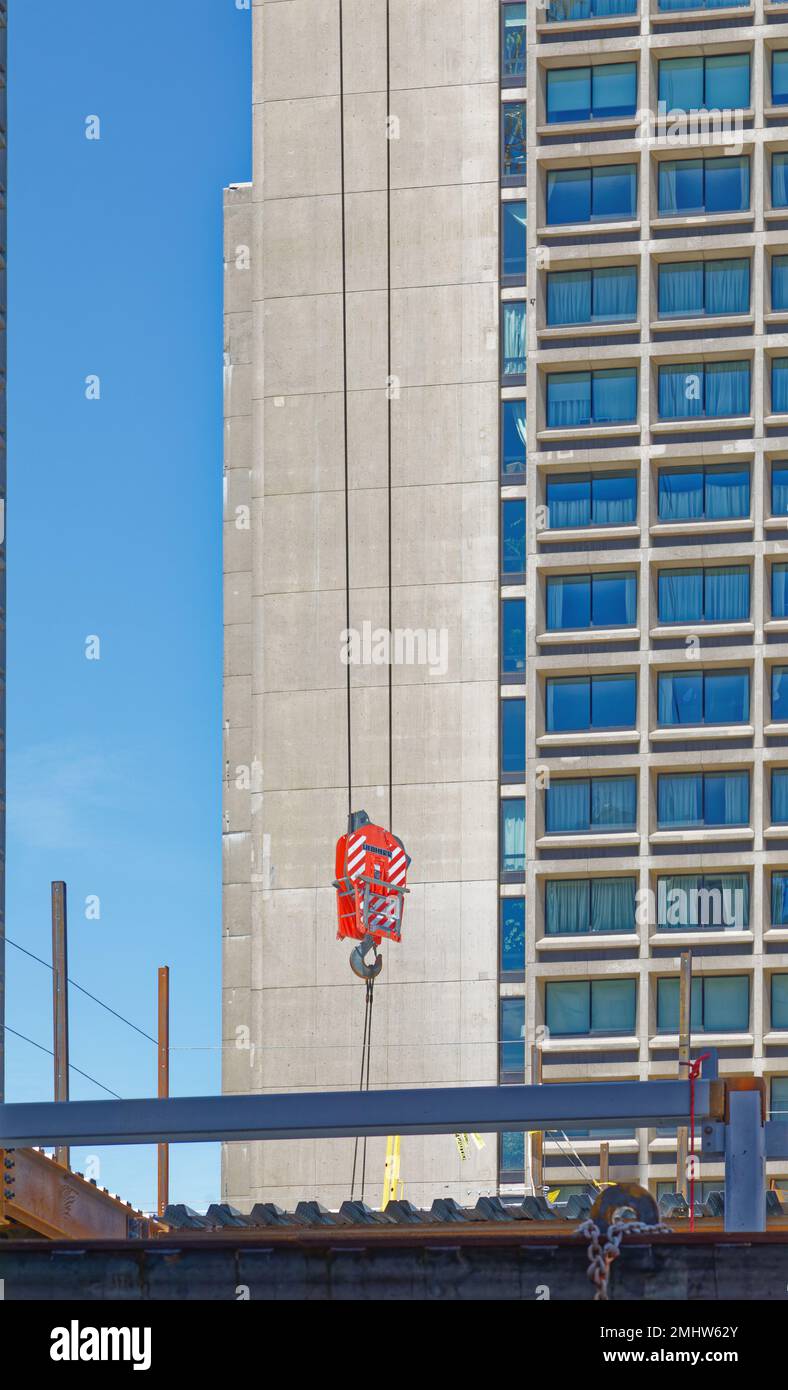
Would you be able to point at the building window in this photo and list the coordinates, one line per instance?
(513, 44)
(690, 902)
(577, 1007)
(512, 1156)
(576, 400)
(604, 193)
(513, 324)
(512, 1040)
(704, 390)
(581, 906)
(563, 11)
(577, 601)
(779, 687)
(780, 796)
(780, 385)
(718, 83)
(512, 919)
(779, 900)
(780, 180)
(607, 294)
(513, 439)
(779, 283)
(719, 594)
(513, 142)
(512, 636)
(780, 488)
(579, 500)
(578, 703)
(779, 1009)
(778, 1098)
(513, 738)
(513, 237)
(695, 289)
(704, 494)
(720, 1004)
(578, 806)
(688, 187)
(513, 537)
(780, 77)
(702, 800)
(513, 835)
(601, 92)
(780, 591)
(703, 697)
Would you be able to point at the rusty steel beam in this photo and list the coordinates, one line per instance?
(164, 1082)
(40, 1195)
(60, 1001)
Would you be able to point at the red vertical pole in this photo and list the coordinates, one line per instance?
(164, 1083)
(60, 1001)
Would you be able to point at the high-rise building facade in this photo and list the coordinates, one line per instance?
(404, 637)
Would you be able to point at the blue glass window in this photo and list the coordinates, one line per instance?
(513, 438)
(780, 488)
(591, 499)
(692, 186)
(780, 591)
(719, 1004)
(575, 1007)
(780, 796)
(513, 142)
(512, 1155)
(780, 900)
(595, 600)
(720, 594)
(704, 390)
(575, 703)
(691, 902)
(694, 289)
(780, 77)
(513, 737)
(512, 1039)
(604, 193)
(587, 93)
(703, 697)
(513, 835)
(702, 799)
(513, 536)
(578, 906)
(779, 282)
(513, 315)
(563, 11)
(780, 180)
(779, 1009)
(512, 919)
(780, 385)
(578, 399)
(513, 237)
(666, 6)
(513, 41)
(778, 1098)
(780, 694)
(704, 494)
(513, 635)
(585, 804)
(718, 83)
(603, 295)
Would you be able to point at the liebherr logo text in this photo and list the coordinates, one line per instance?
(75, 1343)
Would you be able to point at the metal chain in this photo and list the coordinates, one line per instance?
(603, 1250)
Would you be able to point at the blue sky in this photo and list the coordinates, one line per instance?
(114, 531)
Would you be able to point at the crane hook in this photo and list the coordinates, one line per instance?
(357, 962)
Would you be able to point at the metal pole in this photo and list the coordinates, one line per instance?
(60, 1001)
(164, 1082)
(3, 243)
(604, 1163)
(685, 1039)
(537, 1137)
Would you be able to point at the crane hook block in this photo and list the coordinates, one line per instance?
(359, 965)
(371, 883)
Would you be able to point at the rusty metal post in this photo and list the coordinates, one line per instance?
(164, 1083)
(685, 1040)
(604, 1163)
(60, 1000)
(537, 1137)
